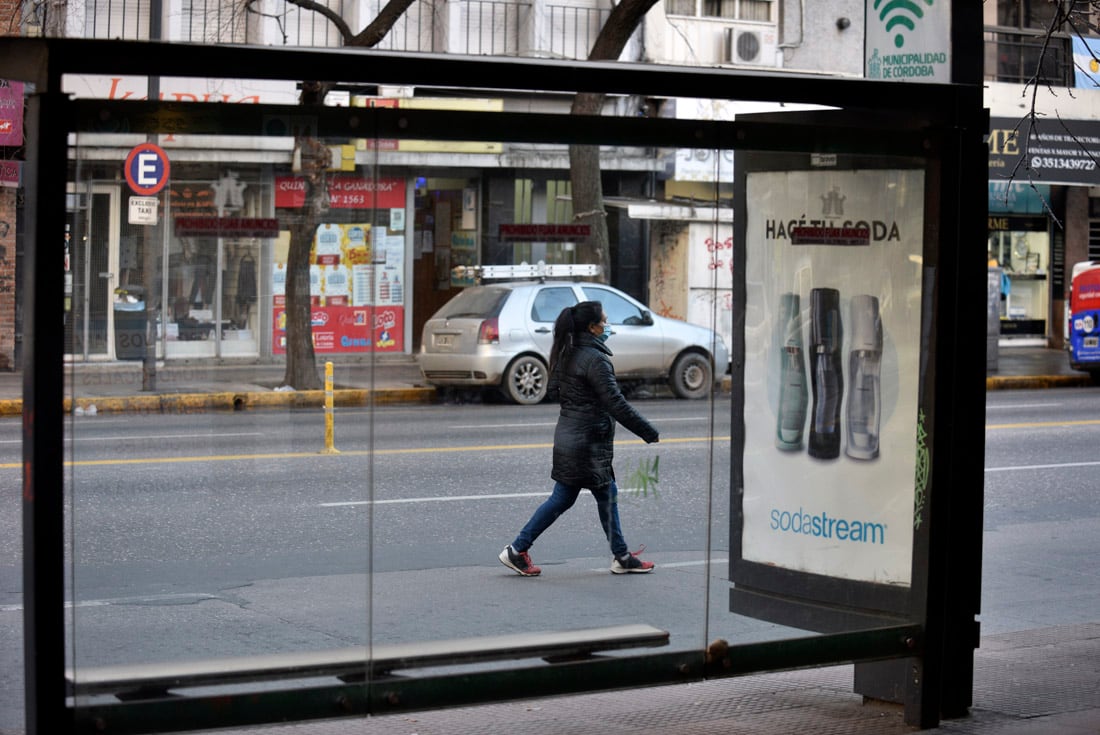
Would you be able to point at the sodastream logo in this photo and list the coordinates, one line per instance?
(823, 525)
(903, 13)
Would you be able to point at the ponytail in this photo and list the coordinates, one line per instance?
(571, 321)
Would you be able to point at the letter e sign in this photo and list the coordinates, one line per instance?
(147, 169)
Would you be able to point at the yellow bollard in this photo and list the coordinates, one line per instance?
(329, 448)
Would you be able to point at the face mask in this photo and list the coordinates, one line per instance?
(601, 338)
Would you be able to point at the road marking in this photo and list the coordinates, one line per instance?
(348, 453)
(435, 499)
(1042, 466)
(1043, 424)
(139, 437)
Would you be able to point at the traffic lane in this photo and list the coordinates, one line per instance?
(208, 528)
(304, 430)
(1040, 461)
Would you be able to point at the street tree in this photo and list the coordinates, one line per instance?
(588, 204)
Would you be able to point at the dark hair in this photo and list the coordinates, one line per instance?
(573, 320)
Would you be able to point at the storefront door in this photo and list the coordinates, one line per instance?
(91, 271)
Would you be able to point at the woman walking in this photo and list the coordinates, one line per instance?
(582, 380)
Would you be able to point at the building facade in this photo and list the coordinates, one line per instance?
(402, 216)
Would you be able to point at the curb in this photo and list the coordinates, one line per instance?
(1037, 382)
(232, 401)
(358, 398)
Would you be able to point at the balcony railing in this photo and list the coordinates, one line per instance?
(1018, 56)
(473, 27)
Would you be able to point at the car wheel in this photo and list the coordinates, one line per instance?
(525, 380)
(691, 376)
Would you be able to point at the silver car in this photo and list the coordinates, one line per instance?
(500, 335)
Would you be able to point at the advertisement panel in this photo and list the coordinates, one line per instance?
(11, 113)
(356, 292)
(832, 347)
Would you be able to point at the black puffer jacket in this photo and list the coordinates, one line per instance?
(591, 402)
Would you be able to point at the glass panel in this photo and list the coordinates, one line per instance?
(241, 504)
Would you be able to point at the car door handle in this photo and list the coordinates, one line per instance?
(542, 330)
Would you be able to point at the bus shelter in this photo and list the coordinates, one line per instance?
(832, 504)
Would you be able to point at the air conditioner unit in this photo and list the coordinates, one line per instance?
(750, 46)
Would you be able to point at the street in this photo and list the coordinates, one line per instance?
(216, 534)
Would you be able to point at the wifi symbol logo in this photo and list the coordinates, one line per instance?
(896, 13)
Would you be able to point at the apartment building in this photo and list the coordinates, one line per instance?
(403, 214)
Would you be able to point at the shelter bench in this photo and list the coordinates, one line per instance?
(140, 681)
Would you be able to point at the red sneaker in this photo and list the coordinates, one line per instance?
(519, 561)
(629, 563)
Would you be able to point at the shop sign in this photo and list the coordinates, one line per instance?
(544, 232)
(226, 227)
(11, 173)
(345, 192)
(11, 113)
(1057, 151)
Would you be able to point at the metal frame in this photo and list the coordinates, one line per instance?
(945, 122)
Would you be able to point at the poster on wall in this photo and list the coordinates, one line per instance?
(357, 297)
(832, 346)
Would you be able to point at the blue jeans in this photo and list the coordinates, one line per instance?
(561, 500)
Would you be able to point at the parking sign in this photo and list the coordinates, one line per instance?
(147, 169)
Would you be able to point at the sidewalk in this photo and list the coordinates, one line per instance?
(117, 386)
(1035, 682)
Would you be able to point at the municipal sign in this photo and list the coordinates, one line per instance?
(143, 210)
(147, 169)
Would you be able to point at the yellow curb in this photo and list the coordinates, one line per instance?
(1037, 382)
(231, 401)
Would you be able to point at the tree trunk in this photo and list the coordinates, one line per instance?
(301, 361)
(584, 160)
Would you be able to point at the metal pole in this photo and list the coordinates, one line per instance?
(43, 418)
(329, 446)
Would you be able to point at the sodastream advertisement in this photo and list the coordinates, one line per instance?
(832, 342)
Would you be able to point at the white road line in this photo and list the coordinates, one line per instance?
(435, 499)
(1042, 466)
(449, 498)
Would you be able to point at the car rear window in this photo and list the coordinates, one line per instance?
(475, 302)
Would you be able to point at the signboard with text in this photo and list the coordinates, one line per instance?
(345, 192)
(1050, 151)
(908, 41)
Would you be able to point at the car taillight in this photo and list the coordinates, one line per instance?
(489, 332)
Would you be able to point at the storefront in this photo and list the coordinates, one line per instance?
(1020, 244)
(1040, 176)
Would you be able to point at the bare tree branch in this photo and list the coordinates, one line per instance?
(370, 36)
